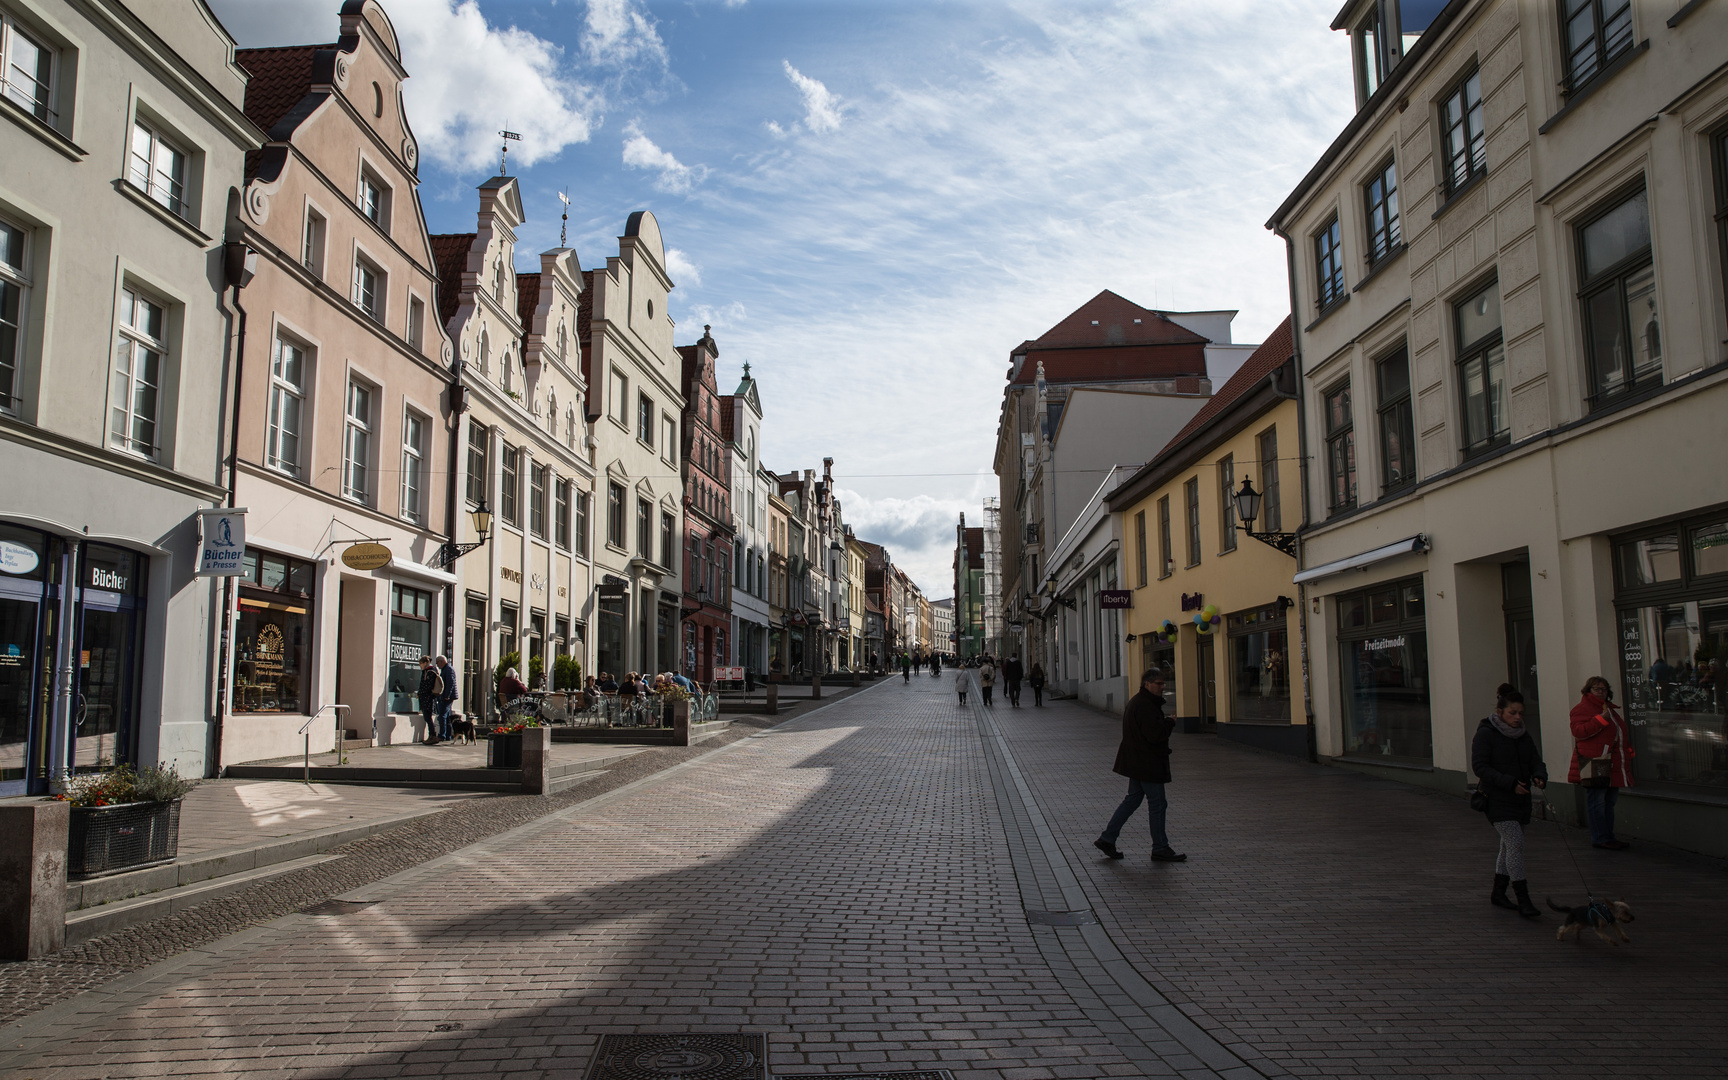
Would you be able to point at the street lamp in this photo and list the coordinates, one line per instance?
(1248, 508)
(450, 552)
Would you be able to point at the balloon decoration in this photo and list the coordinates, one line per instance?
(1207, 620)
(1167, 631)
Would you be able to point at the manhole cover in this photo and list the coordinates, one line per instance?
(337, 907)
(928, 1074)
(1061, 918)
(687, 1057)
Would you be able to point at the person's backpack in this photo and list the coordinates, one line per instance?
(437, 684)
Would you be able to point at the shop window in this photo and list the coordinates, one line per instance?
(1383, 660)
(273, 637)
(1340, 450)
(1672, 602)
(1622, 333)
(410, 639)
(1227, 504)
(1482, 371)
(1397, 422)
(1259, 665)
(14, 302)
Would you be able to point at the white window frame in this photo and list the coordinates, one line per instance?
(14, 278)
(645, 410)
(152, 183)
(373, 196)
(413, 487)
(284, 391)
(124, 394)
(357, 434)
(620, 397)
(12, 87)
(314, 234)
(414, 330)
(376, 309)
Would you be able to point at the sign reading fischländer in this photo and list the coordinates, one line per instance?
(221, 541)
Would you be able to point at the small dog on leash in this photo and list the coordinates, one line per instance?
(1600, 916)
(461, 729)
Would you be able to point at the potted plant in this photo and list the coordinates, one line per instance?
(123, 819)
(504, 744)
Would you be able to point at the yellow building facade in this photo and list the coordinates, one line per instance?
(1211, 601)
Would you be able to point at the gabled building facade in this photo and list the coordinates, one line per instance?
(741, 432)
(708, 535)
(346, 419)
(635, 405)
(523, 451)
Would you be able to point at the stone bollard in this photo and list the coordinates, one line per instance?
(856, 681)
(681, 723)
(773, 698)
(816, 687)
(536, 760)
(33, 878)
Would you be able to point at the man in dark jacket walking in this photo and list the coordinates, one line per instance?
(1012, 673)
(1144, 758)
(446, 700)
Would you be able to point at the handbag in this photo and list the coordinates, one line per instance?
(1596, 772)
(1479, 800)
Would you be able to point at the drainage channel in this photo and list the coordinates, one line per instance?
(706, 1056)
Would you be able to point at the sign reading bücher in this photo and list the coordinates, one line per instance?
(221, 542)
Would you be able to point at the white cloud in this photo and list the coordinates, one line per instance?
(821, 106)
(618, 33)
(467, 77)
(640, 152)
(720, 318)
(683, 271)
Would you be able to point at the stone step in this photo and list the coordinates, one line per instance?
(94, 922)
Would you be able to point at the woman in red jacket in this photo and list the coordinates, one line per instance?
(1602, 736)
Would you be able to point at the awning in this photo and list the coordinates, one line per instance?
(1409, 546)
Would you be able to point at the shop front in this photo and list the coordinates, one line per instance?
(1383, 668)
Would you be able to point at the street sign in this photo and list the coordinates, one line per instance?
(365, 556)
(221, 542)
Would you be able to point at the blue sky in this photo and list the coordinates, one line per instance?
(873, 202)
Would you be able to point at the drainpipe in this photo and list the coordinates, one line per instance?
(239, 264)
(1302, 471)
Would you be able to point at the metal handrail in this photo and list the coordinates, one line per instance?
(306, 730)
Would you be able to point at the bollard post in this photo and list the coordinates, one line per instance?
(536, 760)
(33, 837)
(773, 698)
(855, 679)
(816, 687)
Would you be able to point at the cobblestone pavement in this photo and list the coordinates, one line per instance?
(857, 885)
(1339, 924)
(221, 814)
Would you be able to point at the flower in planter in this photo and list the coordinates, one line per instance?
(124, 785)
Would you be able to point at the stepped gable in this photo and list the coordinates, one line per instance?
(528, 301)
(1274, 351)
(450, 258)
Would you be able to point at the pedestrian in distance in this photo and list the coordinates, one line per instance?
(1507, 765)
(1012, 673)
(1601, 759)
(987, 681)
(446, 700)
(960, 682)
(936, 665)
(1036, 681)
(431, 689)
(1144, 758)
(906, 668)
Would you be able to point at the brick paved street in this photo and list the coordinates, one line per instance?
(855, 884)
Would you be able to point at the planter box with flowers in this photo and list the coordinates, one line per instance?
(504, 744)
(122, 819)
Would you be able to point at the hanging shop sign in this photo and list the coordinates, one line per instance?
(16, 558)
(1115, 598)
(613, 589)
(222, 542)
(366, 556)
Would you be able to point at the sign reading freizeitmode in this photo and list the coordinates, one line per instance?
(221, 542)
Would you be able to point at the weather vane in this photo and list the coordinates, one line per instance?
(564, 223)
(504, 154)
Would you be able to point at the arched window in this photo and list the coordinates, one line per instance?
(562, 355)
(377, 100)
(552, 414)
(485, 351)
(498, 278)
(509, 370)
(570, 427)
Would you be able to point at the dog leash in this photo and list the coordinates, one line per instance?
(1589, 897)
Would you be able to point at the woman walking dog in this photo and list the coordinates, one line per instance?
(1507, 764)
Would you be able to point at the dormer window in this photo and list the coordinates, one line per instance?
(1385, 33)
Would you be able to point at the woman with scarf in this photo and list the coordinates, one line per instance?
(1603, 754)
(1507, 764)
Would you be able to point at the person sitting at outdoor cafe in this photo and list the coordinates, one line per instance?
(511, 687)
(630, 686)
(607, 684)
(681, 680)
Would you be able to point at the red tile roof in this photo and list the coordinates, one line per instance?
(1276, 349)
(450, 256)
(527, 300)
(281, 78)
(1107, 319)
(1126, 363)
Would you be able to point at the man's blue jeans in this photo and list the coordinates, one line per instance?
(1156, 807)
(1599, 809)
(444, 731)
